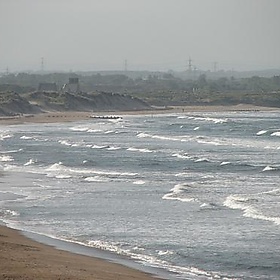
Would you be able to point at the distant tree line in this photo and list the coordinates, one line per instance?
(165, 81)
(160, 88)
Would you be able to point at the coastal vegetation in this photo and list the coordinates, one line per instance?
(128, 91)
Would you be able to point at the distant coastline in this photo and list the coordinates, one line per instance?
(71, 116)
(33, 93)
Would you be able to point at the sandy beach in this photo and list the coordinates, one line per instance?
(69, 116)
(23, 258)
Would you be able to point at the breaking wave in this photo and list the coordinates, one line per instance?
(180, 192)
(249, 206)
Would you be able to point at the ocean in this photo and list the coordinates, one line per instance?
(194, 194)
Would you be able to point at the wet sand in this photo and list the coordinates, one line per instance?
(52, 117)
(24, 258)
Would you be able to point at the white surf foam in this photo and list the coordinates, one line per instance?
(94, 130)
(24, 137)
(31, 161)
(274, 192)
(5, 135)
(55, 167)
(202, 160)
(98, 179)
(277, 133)
(160, 137)
(61, 176)
(143, 135)
(58, 169)
(269, 168)
(179, 192)
(11, 151)
(214, 120)
(65, 142)
(109, 132)
(6, 158)
(166, 252)
(113, 148)
(261, 132)
(182, 174)
(79, 128)
(180, 156)
(141, 150)
(139, 182)
(209, 206)
(99, 146)
(7, 213)
(114, 173)
(225, 163)
(248, 206)
(210, 141)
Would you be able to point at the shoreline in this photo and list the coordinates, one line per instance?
(71, 116)
(25, 255)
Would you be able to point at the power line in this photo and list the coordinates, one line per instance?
(42, 64)
(215, 66)
(190, 64)
(125, 65)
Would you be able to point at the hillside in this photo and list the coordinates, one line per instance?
(31, 103)
(118, 92)
(13, 104)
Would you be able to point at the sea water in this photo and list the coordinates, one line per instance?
(196, 194)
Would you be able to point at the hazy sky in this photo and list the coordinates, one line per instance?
(149, 34)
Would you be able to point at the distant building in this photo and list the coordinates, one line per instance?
(73, 86)
(47, 87)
